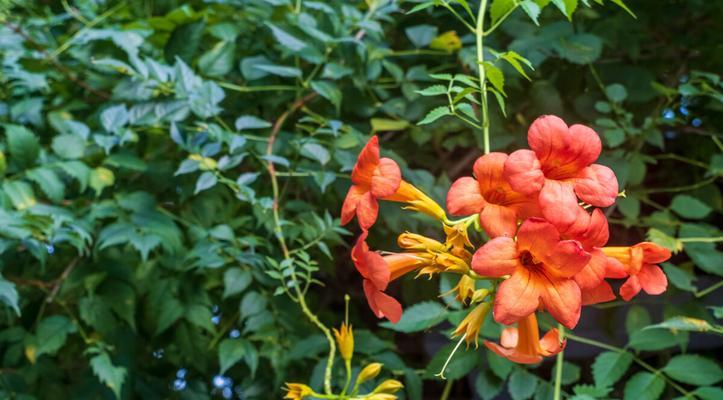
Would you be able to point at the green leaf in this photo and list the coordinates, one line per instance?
(487, 385)
(421, 35)
(207, 180)
(170, 310)
(386, 124)
(609, 367)
(434, 115)
(689, 207)
(624, 7)
(709, 393)
(20, 194)
(23, 145)
(629, 207)
(419, 317)
(109, 374)
(101, 178)
(499, 8)
(694, 370)
(219, 60)
(616, 93)
(679, 277)
(653, 339)
(581, 48)
(52, 333)
(114, 118)
(637, 318)
(531, 9)
(278, 70)
(200, 315)
(184, 41)
(329, 91)
(245, 122)
(69, 146)
(659, 237)
(434, 90)
(49, 183)
(230, 351)
(8, 295)
(235, 280)
(316, 152)
(522, 384)
(567, 7)
(500, 366)
(644, 386)
(681, 323)
(516, 61)
(412, 385)
(252, 303)
(462, 362)
(495, 76)
(285, 39)
(570, 373)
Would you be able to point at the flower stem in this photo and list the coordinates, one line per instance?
(558, 365)
(447, 389)
(479, 33)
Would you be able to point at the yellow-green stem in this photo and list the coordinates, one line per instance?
(447, 390)
(479, 33)
(558, 366)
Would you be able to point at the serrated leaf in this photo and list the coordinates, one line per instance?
(250, 122)
(694, 370)
(434, 90)
(49, 183)
(679, 277)
(644, 386)
(20, 194)
(532, 10)
(434, 115)
(114, 118)
(418, 317)
(522, 384)
(9, 295)
(387, 125)
(329, 91)
(23, 145)
(689, 207)
(499, 8)
(581, 48)
(681, 323)
(69, 146)
(285, 39)
(235, 280)
(109, 374)
(495, 76)
(316, 152)
(609, 367)
(207, 180)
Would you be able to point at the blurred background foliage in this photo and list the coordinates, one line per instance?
(139, 242)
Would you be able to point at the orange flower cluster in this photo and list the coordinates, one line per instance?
(546, 249)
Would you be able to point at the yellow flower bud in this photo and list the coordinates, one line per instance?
(369, 372)
(297, 391)
(448, 41)
(465, 288)
(345, 340)
(414, 241)
(389, 386)
(417, 201)
(382, 396)
(472, 323)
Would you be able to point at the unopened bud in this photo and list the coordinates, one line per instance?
(369, 372)
(389, 386)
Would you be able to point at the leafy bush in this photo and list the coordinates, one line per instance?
(172, 176)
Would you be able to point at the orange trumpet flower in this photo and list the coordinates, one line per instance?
(639, 262)
(523, 344)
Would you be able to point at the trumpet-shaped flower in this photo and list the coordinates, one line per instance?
(376, 274)
(541, 268)
(472, 324)
(489, 194)
(297, 391)
(417, 201)
(639, 262)
(372, 178)
(523, 344)
(559, 169)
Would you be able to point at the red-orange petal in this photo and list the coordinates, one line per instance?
(537, 236)
(558, 146)
(488, 170)
(558, 203)
(351, 201)
(367, 210)
(366, 164)
(599, 294)
(512, 354)
(597, 185)
(383, 305)
(523, 172)
(562, 299)
(630, 288)
(377, 270)
(464, 197)
(652, 279)
(653, 253)
(615, 269)
(550, 343)
(386, 178)
(593, 273)
(517, 297)
(496, 258)
(498, 220)
(566, 258)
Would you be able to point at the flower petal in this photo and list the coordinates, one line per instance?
(509, 337)
(537, 236)
(652, 279)
(499, 220)
(566, 259)
(558, 203)
(367, 210)
(377, 270)
(615, 269)
(560, 149)
(593, 273)
(366, 163)
(464, 197)
(386, 178)
(351, 201)
(517, 297)
(599, 294)
(597, 185)
(550, 343)
(488, 170)
(496, 258)
(382, 304)
(512, 354)
(562, 299)
(523, 172)
(630, 288)
(653, 253)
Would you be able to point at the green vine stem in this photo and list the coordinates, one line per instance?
(558, 365)
(479, 33)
